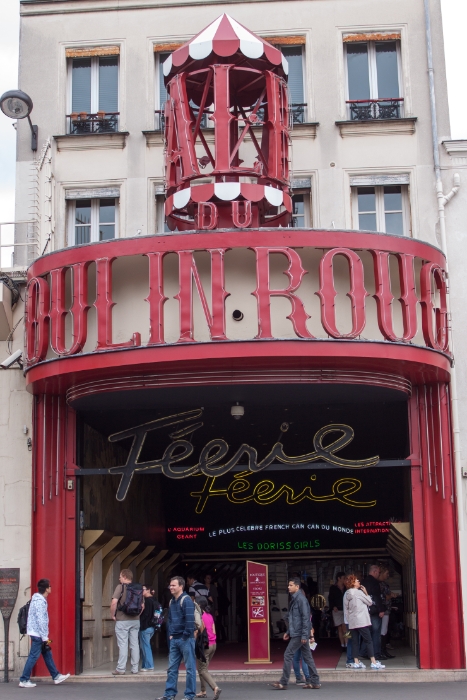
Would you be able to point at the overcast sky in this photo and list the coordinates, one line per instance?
(454, 20)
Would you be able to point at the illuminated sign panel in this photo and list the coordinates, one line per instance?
(284, 511)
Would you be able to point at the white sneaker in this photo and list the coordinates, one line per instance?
(60, 678)
(27, 684)
(377, 665)
(361, 665)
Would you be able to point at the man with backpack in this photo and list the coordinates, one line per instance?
(181, 624)
(126, 608)
(38, 629)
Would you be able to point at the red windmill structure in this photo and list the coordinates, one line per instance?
(230, 79)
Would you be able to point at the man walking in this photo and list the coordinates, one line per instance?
(371, 583)
(126, 626)
(299, 634)
(38, 630)
(199, 589)
(182, 641)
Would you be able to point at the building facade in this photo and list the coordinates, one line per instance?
(228, 212)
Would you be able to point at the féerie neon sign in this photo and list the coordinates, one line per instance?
(210, 459)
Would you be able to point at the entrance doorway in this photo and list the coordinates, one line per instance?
(335, 486)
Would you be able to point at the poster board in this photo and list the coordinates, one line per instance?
(258, 613)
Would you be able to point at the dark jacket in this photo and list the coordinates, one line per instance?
(336, 598)
(299, 616)
(181, 621)
(146, 617)
(373, 588)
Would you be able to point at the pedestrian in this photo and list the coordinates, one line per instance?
(127, 622)
(349, 662)
(181, 624)
(298, 634)
(213, 595)
(38, 630)
(299, 678)
(356, 605)
(146, 630)
(336, 606)
(371, 583)
(209, 651)
(194, 586)
(387, 597)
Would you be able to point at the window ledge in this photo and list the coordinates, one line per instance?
(307, 130)
(377, 127)
(154, 138)
(87, 142)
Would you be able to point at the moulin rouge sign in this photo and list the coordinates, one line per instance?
(421, 280)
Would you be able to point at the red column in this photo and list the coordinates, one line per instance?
(54, 524)
(436, 547)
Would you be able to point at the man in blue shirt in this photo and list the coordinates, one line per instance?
(181, 624)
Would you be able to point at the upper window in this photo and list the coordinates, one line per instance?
(94, 95)
(92, 220)
(381, 208)
(373, 80)
(162, 95)
(294, 56)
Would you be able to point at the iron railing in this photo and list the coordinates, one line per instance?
(19, 243)
(99, 123)
(369, 110)
(296, 111)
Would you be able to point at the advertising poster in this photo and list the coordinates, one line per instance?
(258, 613)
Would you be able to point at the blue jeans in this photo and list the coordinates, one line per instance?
(181, 650)
(375, 631)
(145, 637)
(296, 665)
(350, 658)
(34, 653)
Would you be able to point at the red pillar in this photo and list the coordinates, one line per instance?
(436, 545)
(54, 524)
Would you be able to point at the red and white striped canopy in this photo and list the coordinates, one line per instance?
(224, 38)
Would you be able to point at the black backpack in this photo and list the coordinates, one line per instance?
(23, 618)
(133, 605)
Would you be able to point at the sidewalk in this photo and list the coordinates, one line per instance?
(237, 691)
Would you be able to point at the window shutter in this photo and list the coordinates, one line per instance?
(162, 90)
(108, 84)
(293, 55)
(81, 85)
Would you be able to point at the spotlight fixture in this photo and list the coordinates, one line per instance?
(237, 411)
(16, 104)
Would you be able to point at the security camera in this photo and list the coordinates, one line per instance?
(16, 357)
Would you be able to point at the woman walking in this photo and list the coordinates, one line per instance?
(204, 675)
(356, 604)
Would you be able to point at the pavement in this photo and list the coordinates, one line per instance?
(237, 691)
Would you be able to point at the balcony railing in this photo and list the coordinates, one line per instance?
(369, 110)
(297, 116)
(19, 243)
(99, 123)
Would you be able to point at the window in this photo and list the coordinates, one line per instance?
(162, 95)
(92, 220)
(373, 80)
(294, 56)
(381, 208)
(94, 95)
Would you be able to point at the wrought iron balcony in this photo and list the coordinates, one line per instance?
(368, 110)
(297, 116)
(99, 123)
(297, 113)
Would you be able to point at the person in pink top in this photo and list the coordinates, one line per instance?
(208, 631)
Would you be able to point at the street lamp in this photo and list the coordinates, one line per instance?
(16, 104)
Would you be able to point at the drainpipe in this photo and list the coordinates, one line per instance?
(442, 201)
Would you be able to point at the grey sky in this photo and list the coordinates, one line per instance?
(454, 20)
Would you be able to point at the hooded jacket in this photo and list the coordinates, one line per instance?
(38, 618)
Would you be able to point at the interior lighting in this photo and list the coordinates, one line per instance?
(237, 411)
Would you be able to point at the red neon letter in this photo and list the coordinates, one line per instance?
(241, 219)
(435, 337)
(156, 298)
(79, 309)
(263, 293)
(327, 293)
(384, 296)
(189, 272)
(206, 218)
(104, 305)
(37, 319)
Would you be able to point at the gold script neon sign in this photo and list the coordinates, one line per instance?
(265, 492)
(210, 462)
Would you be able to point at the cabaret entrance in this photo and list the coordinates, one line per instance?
(314, 476)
